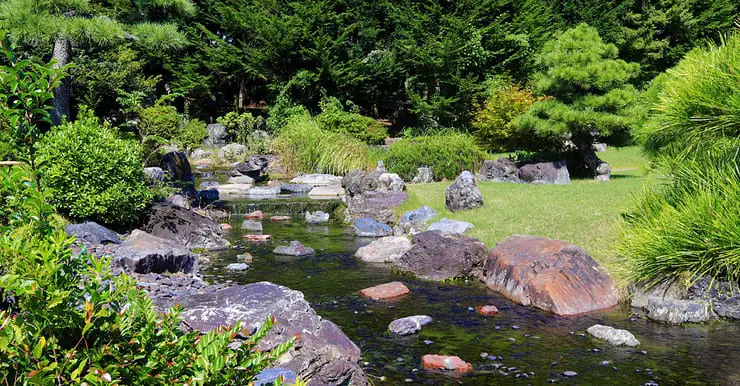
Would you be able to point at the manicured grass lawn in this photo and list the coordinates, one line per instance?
(584, 213)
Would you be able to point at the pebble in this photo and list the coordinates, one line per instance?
(408, 380)
(595, 350)
(515, 327)
(512, 339)
(237, 266)
(428, 342)
(471, 309)
(605, 363)
(643, 352)
(484, 355)
(570, 373)
(399, 359)
(497, 327)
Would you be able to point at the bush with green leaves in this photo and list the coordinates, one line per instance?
(334, 118)
(72, 321)
(160, 121)
(93, 174)
(493, 123)
(447, 153)
(192, 134)
(306, 148)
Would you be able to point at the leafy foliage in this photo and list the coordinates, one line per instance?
(334, 118)
(306, 148)
(160, 121)
(447, 153)
(93, 174)
(192, 134)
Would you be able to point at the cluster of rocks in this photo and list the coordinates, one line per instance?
(506, 170)
(373, 195)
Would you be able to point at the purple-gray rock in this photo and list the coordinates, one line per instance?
(545, 173)
(463, 194)
(377, 205)
(409, 325)
(436, 256)
(146, 253)
(368, 227)
(294, 249)
(185, 227)
(359, 181)
(500, 170)
(448, 226)
(323, 355)
(93, 233)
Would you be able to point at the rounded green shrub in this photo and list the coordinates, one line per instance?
(160, 121)
(447, 154)
(334, 118)
(493, 124)
(192, 134)
(93, 174)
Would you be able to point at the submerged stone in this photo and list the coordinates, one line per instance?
(409, 325)
(385, 291)
(445, 362)
(613, 335)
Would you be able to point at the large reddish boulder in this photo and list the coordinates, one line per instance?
(444, 362)
(549, 274)
(385, 291)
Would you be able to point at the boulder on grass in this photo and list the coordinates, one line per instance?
(423, 175)
(545, 173)
(463, 194)
(144, 253)
(613, 335)
(549, 274)
(435, 256)
(392, 182)
(500, 170)
(322, 353)
(185, 227)
(384, 250)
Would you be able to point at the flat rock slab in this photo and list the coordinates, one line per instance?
(295, 188)
(384, 250)
(185, 227)
(613, 335)
(448, 226)
(280, 218)
(409, 325)
(436, 256)
(252, 225)
(677, 311)
(385, 291)
(294, 249)
(548, 274)
(332, 191)
(231, 191)
(445, 362)
(487, 310)
(323, 354)
(267, 191)
(368, 227)
(93, 233)
(257, 238)
(317, 180)
(317, 217)
(256, 215)
(245, 180)
(144, 253)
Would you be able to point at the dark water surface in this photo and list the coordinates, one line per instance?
(544, 344)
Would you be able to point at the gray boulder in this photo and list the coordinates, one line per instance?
(241, 180)
(199, 154)
(613, 335)
(93, 233)
(317, 179)
(294, 249)
(237, 266)
(233, 191)
(669, 289)
(424, 175)
(145, 253)
(435, 256)
(154, 176)
(391, 182)
(264, 191)
(185, 227)
(323, 355)
(253, 167)
(317, 217)
(368, 227)
(267, 377)
(723, 296)
(217, 135)
(677, 311)
(178, 200)
(448, 226)
(500, 170)
(377, 205)
(384, 250)
(295, 188)
(409, 325)
(463, 194)
(545, 173)
(252, 225)
(359, 181)
(232, 152)
(326, 192)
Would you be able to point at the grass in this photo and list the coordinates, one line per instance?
(585, 213)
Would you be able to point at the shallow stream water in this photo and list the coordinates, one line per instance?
(519, 340)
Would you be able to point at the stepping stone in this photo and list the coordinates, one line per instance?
(487, 310)
(317, 179)
(280, 218)
(445, 362)
(385, 291)
(252, 225)
(257, 238)
(294, 249)
(295, 188)
(384, 250)
(257, 215)
(409, 325)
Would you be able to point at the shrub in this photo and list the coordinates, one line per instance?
(282, 112)
(305, 147)
(93, 174)
(447, 154)
(333, 118)
(700, 99)
(493, 123)
(192, 134)
(691, 224)
(160, 121)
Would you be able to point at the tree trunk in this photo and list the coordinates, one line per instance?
(597, 167)
(62, 94)
(242, 95)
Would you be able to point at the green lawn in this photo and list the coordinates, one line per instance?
(584, 213)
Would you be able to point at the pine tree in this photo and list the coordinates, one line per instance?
(591, 96)
(62, 24)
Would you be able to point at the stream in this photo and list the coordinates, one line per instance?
(520, 345)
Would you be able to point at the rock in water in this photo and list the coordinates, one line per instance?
(445, 362)
(331, 191)
(377, 205)
(252, 225)
(545, 173)
(241, 180)
(231, 191)
(93, 233)
(368, 227)
(677, 311)
(185, 227)
(317, 180)
(295, 188)
(360, 181)
(409, 325)
(322, 354)
(317, 217)
(549, 274)
(435, 256)
(613, 335)
(448, 226)
(463, 194)
(487, 310)
(385, 291)
(384, 250)
(256, 215)
(294, 249)
(237, 266)
(175, 164)
(145, 253)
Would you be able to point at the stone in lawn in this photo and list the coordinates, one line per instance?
(500, 170)
(237, 266)
(487, 310)
(423, 175)
(317, 217)
(545, 173)
(613, 335)
(252, 225)
(423, 214)
(448, 226)
(384, 250)
(445, 362)
(294, 249)
(409, 325)
(385, 291)
(368, 227)
(463, 194)
(391, 182)
(256, 215)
